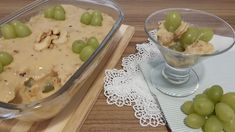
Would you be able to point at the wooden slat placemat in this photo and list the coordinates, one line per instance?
(70, 119)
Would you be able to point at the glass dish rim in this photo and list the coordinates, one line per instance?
(194, 10)
(110, 3)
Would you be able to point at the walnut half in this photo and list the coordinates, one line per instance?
(47, 40)
(181, 29)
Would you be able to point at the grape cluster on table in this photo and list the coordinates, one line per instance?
(212, 110)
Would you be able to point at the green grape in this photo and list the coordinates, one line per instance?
(200, 96)
(29, 83)
(48, 87)
(49, 12)
(8, 31)
(194, 120)
(96, 21)
(213, 124)
(203, 106)
(205, 91)
(229, 126)
(206, 34)
(86, 18)
(22, 30)
(15, 23)
(59, 14)
(1, 68)
(177, 47)
(212, 114)
(97, 14)
(92, 41)
(215, 93)
(78, 45)
(229, 99)
(5, 58)
(86, 53)
(187, 107)
(172, 21)
(224, 112)
(189, 37)
(59, 7)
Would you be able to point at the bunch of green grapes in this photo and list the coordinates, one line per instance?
(55, 12)
(15, 29)
(95, 18)
(5, 59)
(212, 110)
(172, 22)
(85, 49)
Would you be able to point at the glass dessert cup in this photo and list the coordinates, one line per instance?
(175, 76)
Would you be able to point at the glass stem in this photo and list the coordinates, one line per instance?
(176, 75)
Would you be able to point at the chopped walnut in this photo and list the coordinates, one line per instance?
(181, 29)
(61, 39)
(47, 40)
(200, 47)
(16, 51)
(166, 38)
(22, 74)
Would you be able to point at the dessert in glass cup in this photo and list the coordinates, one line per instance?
(184, 37)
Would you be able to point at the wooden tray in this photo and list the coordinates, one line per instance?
(72, 118)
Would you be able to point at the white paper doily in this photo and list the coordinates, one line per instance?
(126, 87)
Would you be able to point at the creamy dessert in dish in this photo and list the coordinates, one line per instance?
(179, 35)
(49, 48)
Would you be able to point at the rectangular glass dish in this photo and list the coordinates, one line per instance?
(83, 77)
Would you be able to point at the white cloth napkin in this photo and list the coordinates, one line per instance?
(126, 87)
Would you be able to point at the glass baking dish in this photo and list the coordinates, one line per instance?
(83, 77)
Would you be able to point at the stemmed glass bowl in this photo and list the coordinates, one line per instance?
(175, 76)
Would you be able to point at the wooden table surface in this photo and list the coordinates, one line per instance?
(103, 117)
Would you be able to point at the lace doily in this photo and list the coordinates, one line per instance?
(126, 87)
